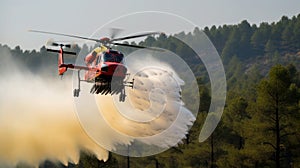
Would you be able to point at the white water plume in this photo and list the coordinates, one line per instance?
(153, 117)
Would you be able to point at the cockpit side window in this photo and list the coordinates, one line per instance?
(109, 57)
(113, 57)
(119, 58)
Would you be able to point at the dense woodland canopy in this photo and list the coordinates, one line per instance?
(260, 125)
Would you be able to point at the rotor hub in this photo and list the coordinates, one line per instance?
(105, 40)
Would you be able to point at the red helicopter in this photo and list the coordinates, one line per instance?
(103, 65)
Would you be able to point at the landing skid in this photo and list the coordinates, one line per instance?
(76, 91)
(104, 88)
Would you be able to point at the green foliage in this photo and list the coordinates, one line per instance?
(276, 107)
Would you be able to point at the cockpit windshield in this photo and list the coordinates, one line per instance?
(113, 56)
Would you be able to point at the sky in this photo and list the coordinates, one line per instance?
(84, 17)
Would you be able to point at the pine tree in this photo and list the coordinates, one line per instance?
(274, 99)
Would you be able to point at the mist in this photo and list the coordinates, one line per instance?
(37, 119)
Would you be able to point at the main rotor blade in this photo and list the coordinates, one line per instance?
(128, 45)
(135, 36)
(137, 46)
(67, 35)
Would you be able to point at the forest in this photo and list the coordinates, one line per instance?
(260, 124)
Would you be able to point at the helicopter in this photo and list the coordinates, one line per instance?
(104, 65)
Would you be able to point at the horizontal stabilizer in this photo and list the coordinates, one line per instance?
(58, 51)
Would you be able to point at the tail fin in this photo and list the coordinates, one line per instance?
(61, 69)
